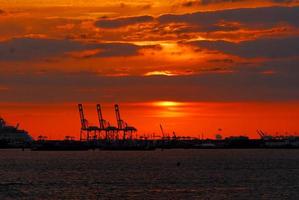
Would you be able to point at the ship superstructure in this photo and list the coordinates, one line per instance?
(12, 136)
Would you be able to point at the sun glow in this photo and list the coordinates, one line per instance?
(169, 109)
(160, 73)
(167, 103)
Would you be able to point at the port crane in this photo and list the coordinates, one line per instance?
(122, 125)
(105, 125)
(162, 131)
(85, 126)
(167, 136)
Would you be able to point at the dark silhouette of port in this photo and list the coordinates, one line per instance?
(120, 137)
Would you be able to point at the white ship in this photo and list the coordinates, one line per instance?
(12, 136)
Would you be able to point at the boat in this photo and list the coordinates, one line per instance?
(12, 136)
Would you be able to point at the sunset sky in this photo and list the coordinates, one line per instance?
(194, 66)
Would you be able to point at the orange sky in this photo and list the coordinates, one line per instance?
(238, 57)
(186, 119)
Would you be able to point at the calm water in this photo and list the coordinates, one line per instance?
(202, 174)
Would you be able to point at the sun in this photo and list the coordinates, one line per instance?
(169, 109)
(160, 73)
(167, 103)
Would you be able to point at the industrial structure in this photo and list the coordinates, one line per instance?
(85, 126)
(111, 132)
(123, 126)
(122, 131)
(105, 136)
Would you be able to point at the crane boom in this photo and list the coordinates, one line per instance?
(82, 117)
(100, 116)
(118, 118)
(162, 131)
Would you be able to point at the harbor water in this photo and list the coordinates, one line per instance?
(167, 174)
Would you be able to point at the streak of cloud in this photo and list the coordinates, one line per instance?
(267, 47)
(22, 49)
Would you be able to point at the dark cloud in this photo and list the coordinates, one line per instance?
(285, 1)
(211, 21)
(117, 49)
(23, 49)
(266, 17)
(267, 47)
(221, 20)
(2, 12)
(239, 86)
(208, 2)
(221, 60)
(120, 22)
(29, 49)
(146, 6)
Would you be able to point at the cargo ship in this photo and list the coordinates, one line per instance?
(12, 136)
